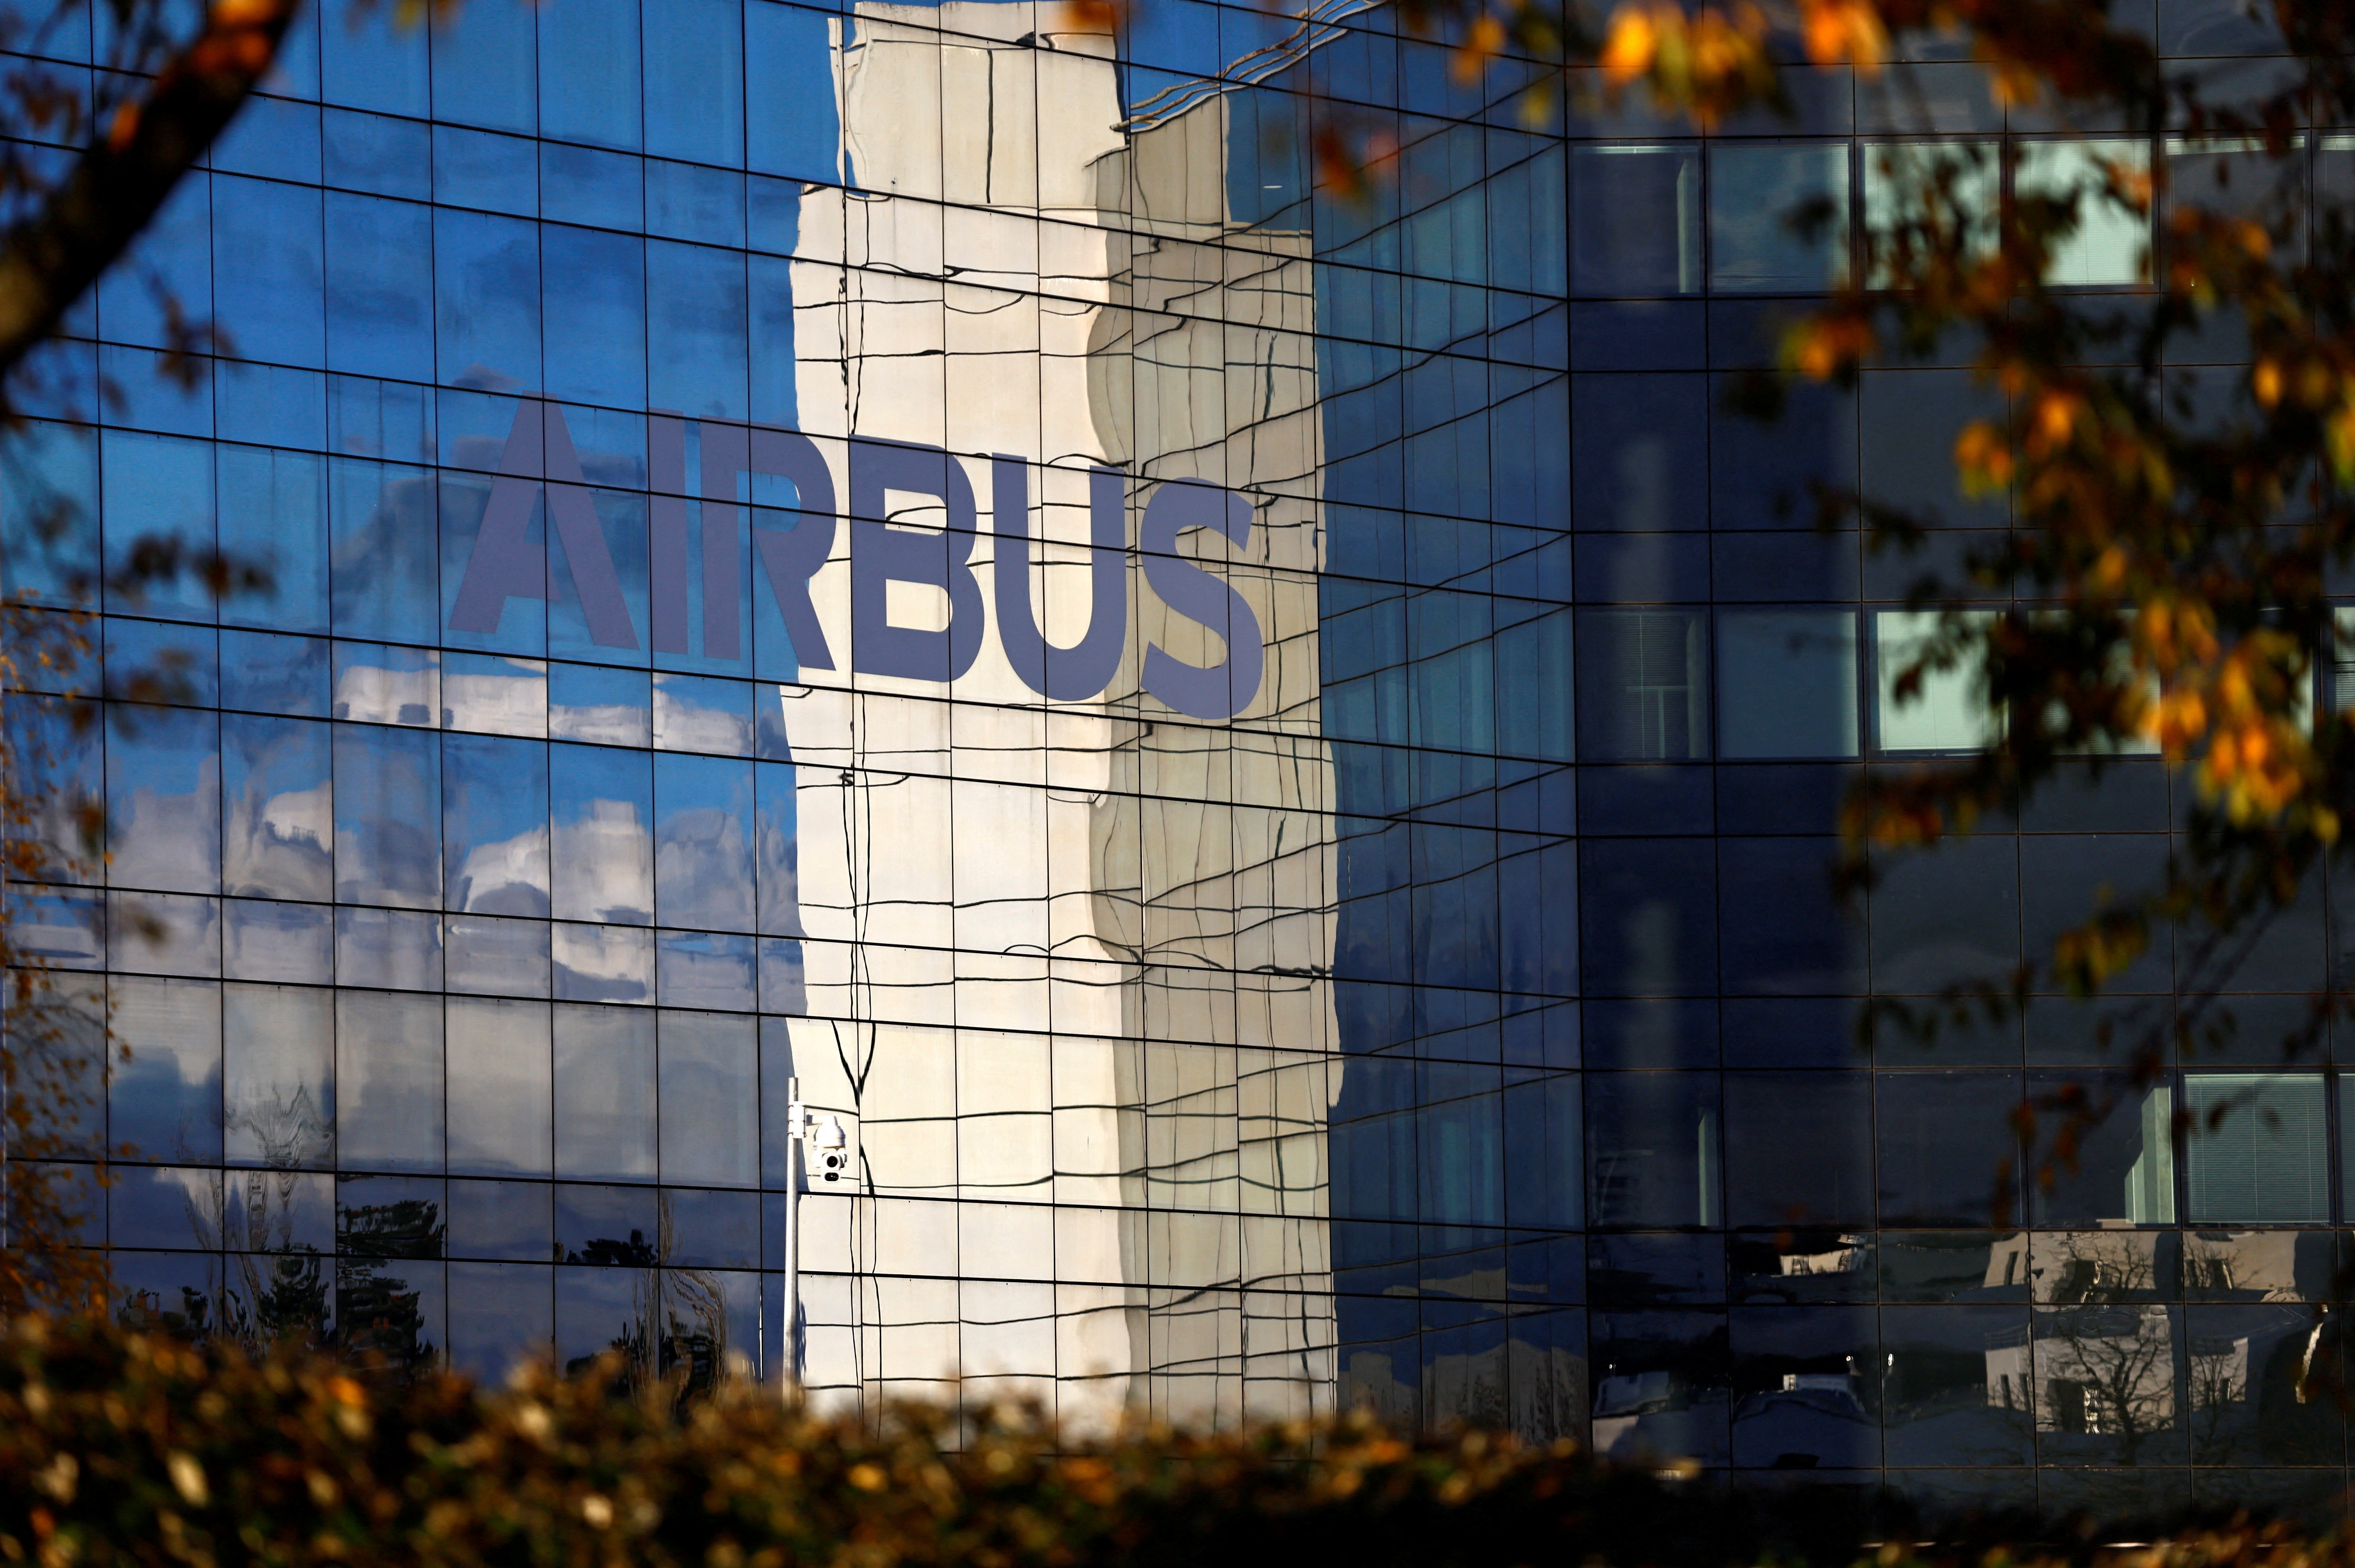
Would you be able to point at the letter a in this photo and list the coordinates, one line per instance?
(506, 565)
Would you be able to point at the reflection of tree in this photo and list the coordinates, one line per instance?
(380, 1318)
(692, 1344)
(283, 1296)
(2104, 1360)
(676, 1325)
(2245, 1403)
(143, 1311)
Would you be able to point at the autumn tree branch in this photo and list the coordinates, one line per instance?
(51, 259)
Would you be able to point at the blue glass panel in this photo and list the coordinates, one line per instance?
(379, 323)
(484, 73)
(378, 154)
(157, 661)
(486, 302)
(602, 857)
(483, 169)
(778, 849)
(159, 492)
(589, 72)
(380, 419)
(494, 837)
(597, 287)
(388, 1087)
(274, 137)
(789, 123)
(267, 405)
(688, 201)
(273, 519)
(591, 702)
(602, 963)
(164, 802)
(696, 310)
(280, 1088)
(48, 513)
(391, 949)
(695, 80)
(487, 956)
(703, 842)
(172, 259)
(385, 576)
(268, 673)
(375, 58)
(281, 942)
(582, 185)
(150, 390)
(706, 970)
(703, 713)
(388, 816)
(709, 1100)
(165, 1099)
(277, 804)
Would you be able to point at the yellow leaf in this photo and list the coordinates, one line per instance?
(1633, 45)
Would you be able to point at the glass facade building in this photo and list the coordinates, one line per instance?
(1272, 751)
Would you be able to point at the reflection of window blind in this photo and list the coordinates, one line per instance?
(1644, 669)
(2265, 1163)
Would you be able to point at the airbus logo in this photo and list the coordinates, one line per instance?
(540, 456)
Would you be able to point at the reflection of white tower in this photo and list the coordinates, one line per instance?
(1080, 951)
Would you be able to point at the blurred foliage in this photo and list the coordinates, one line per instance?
(124, 1448)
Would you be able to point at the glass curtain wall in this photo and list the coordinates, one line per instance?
(1272, 750)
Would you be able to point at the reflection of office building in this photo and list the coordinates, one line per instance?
(1345, 924)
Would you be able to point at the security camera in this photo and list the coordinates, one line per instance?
(829, 1149)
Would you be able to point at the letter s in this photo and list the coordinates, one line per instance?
(1225, 688)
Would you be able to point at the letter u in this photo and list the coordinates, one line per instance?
(1086, 668)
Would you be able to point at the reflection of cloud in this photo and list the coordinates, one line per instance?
(609, 853)
(166, 840)
(385, 695)
(604, 723)
(509, 877)
(505, 704)
(687, 725)
(276, 844)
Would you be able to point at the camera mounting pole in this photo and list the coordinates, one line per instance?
(830, 1147)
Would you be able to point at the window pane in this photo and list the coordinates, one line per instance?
(2266, 1161)
(165, 1100)
(281, 1091)
(1934, 182)
(389, 1081)
(499, 1087)
(1635, 222)
(1948, 711)
(1777, 216)
(710, 1099)
(1654, 1142)
(604, 1093)
(1643, 687)
(495, 825)
(2110, 244)
(1786, 683)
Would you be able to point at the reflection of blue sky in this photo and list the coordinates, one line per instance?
(494, 824)
(163, 799)
(165, 1101)
(703, 842)
(388, 816)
